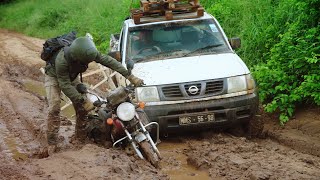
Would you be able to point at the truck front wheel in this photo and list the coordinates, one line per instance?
(254, 127)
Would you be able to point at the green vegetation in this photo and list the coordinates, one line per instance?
(281, 45)
(280, 38)
(54, 17)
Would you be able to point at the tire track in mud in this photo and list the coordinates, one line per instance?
(21, 118)
(20, 56)
(21, 114)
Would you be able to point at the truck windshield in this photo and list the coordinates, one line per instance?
(175, 39)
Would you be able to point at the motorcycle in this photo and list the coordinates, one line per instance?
(119, 120)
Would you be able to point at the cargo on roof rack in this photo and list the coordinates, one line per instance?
(168, 9)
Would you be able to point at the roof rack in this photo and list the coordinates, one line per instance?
(167, 9)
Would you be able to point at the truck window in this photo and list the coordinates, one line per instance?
(174, 39)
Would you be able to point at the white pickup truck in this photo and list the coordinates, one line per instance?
(193, 78)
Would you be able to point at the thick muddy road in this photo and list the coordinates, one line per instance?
(290, 152)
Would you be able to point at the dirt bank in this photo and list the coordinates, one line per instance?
(301, 133)
(205, 156)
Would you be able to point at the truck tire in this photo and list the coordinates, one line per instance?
(254, 127)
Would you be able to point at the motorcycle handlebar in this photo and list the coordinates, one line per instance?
(81, 88)
(132, 87)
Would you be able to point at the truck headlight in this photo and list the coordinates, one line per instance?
(147, 94)
(251, 84)
(126, 111)
(237, 84)
(241, 83)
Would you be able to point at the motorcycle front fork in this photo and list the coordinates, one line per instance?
(148, 137)
(153, 145)
(133, 143)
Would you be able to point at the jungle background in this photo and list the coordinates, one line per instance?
(280, 38)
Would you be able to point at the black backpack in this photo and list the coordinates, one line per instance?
(52, 46)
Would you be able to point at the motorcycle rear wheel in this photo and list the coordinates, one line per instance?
(148, 152)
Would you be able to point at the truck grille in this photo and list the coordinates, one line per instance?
(214, 87)
(172, 91)
(191, 90)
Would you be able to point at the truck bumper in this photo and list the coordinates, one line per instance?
(227, 112)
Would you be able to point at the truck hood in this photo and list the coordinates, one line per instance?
(188, 69)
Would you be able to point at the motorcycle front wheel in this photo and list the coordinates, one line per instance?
(148, 152)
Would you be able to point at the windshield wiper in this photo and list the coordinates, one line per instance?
(163, 53)
(167, 52)
(203, 48)
(138, 59)
(145, 58)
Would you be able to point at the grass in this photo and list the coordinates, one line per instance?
(50, 18)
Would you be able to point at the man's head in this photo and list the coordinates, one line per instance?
(84, 50)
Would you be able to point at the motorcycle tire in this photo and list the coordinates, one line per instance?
(150, 155)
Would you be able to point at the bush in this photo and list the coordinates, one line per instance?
(291, 73)
(280, 43)
(6, 1)
(251, 20)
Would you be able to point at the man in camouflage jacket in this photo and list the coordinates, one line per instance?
(63, 75)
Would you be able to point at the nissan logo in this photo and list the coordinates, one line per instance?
(193, 90)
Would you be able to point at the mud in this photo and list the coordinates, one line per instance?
(228, 157)
(175, 161)
(290, 152)
(301, 133)
(93, 162)
(23, 125)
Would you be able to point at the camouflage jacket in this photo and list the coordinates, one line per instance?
(67, 71)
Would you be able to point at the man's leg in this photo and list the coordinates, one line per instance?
(80, 129)
(81, 124)
(53, 119)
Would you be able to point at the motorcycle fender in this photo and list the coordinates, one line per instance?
(140, 137)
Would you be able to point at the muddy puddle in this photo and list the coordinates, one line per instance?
(38, 89)
(175, 162)
(12, 145)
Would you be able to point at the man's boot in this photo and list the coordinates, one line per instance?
(52, 133)
(53, 122)
(81, 124)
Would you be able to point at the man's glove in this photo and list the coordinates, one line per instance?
(135, 80)
(87, 105)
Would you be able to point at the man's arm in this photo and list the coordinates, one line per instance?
(62, 72)
(113, 64)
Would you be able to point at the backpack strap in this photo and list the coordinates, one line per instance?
(67, 54)
(69, 59)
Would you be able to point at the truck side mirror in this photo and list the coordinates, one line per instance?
(235, 42)
(116, 55)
